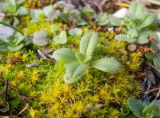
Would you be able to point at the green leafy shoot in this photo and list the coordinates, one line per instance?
(106, 19)
(138, 24)
(77, 63)
(15, 42)
(14, 11)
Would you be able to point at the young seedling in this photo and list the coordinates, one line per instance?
(139, 25)
(77, 63)
(14, 10)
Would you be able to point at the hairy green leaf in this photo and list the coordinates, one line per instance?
(107, 64)
(148, 19)
(135, 10)
(88, 44)
(64, 54)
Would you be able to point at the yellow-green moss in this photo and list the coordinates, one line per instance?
(31, 28)
(95, 88)
(131, 60)
(48, 96)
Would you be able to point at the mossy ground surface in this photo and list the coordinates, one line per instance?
(42, 91)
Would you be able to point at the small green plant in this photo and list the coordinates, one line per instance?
(11, 38)
(77, 63)
(14, 9)
(14, 42)
(139, 24)
(143, 110)
(108, 19)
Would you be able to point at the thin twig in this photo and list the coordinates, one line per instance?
(151, 90)
(156, 2)
(94, 108)
(157, 95)
(6, 89)
(41, 54)
(25, 108)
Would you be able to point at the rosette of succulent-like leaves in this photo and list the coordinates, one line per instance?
(139, 25)
(76, 63)
(14, 10)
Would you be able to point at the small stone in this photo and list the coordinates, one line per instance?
(121, 13)
(132, 47)
(111, 29)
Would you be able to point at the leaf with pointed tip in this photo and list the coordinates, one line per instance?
(64, 54)
(148, 19)
(88, 44)
(136, 10)
(107, 64)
